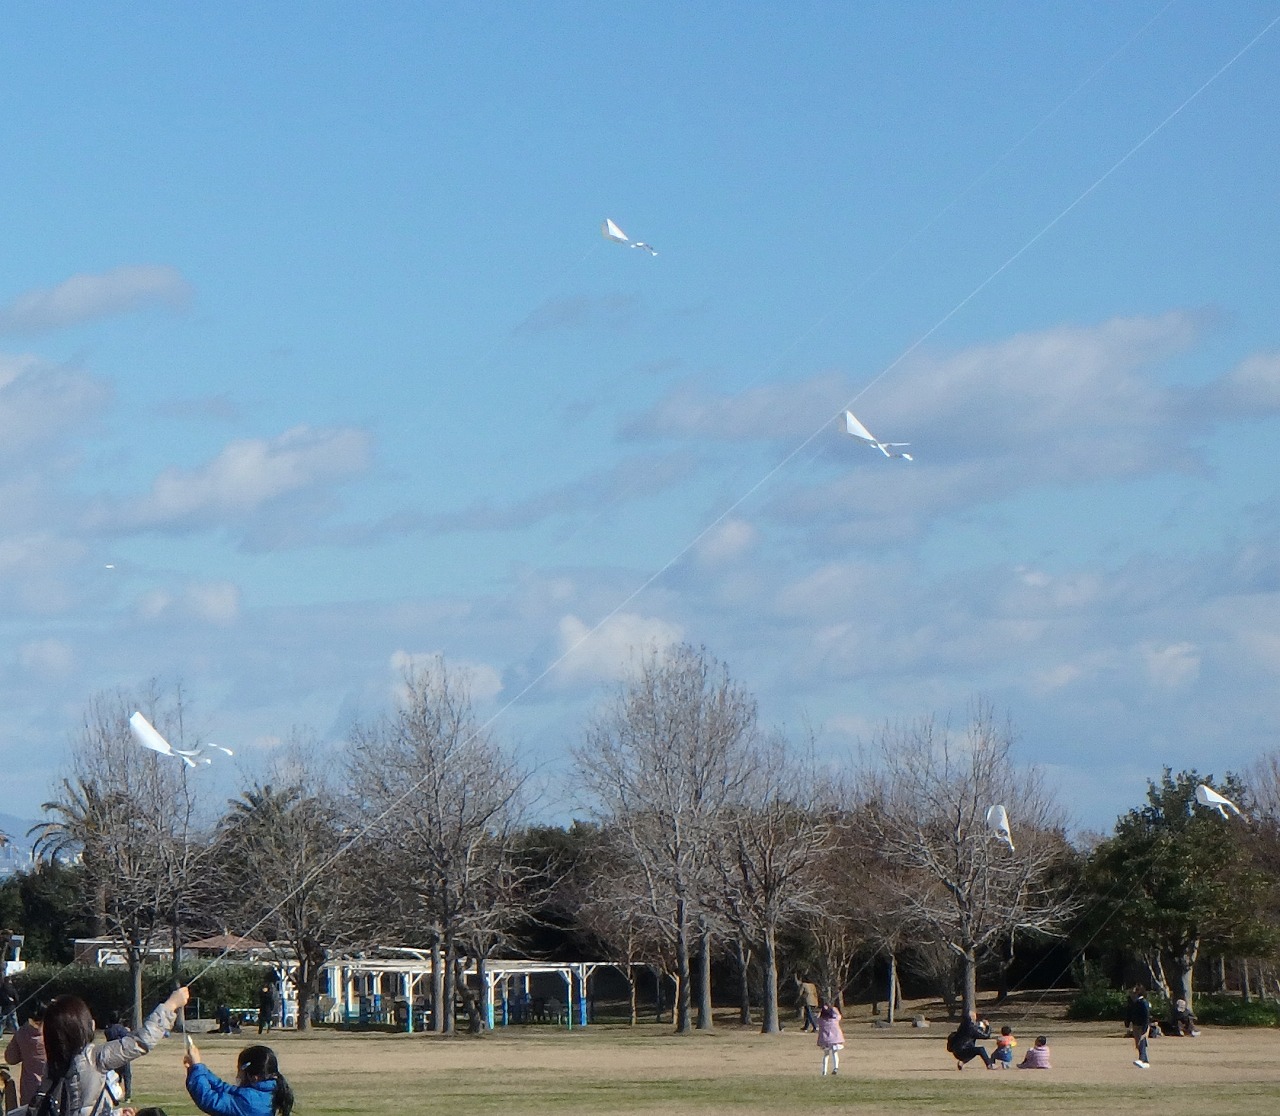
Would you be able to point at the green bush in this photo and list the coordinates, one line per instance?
(1231, 1011)
(1099, 1003)
(1215, 1011)
(110, 991)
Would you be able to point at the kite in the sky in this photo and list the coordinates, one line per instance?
(998, 823)
(145, 734)
(855, 429)
(1207, 796)
(610, 231)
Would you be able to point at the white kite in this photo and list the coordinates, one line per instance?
(1207, 796)
(610, 231)
(998, 823)
(855, 429)
(146, 735)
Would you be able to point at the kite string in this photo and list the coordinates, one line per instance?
(347, 845)
(774, 365)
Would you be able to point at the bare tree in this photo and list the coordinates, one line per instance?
(290, 871)
(607, 890)
(661, 762)
(444, 804)
(132, 815)
(766, 845)
(926, 809)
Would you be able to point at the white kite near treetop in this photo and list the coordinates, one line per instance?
(146, 735)
(1207, 796)
(855, 429)
(998, 823)
(610, 231)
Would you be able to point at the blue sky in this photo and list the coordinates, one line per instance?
(308, 331)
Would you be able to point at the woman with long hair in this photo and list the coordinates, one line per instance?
(260, 1088)
(76, 1080)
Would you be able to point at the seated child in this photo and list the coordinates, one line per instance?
(1038, 1056)
(1004, 1048)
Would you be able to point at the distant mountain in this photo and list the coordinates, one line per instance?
(16, 855)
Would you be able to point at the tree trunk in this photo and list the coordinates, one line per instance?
(470, 1001)
(704, 981)
(770, 1025)
(969, 989)
(135, 971)
(743, 952)
(1185, 965)
(310, 966)
(175, 969)
(684, 1017)
(450, 983)
(893, 986)
(437, 986)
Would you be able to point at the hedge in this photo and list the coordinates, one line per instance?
(1217, 1011)
(109, 991)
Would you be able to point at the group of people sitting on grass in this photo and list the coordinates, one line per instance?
(965, 1043)
(65, 1073)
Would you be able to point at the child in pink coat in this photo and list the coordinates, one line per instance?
(830, 1038)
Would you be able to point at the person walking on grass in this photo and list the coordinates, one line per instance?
(807, 1001)
(1138, 1019)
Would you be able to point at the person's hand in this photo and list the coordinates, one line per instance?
(178, 998)
(192, 1056)
(126, 1112)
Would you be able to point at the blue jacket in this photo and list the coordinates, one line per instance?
(218, 1098)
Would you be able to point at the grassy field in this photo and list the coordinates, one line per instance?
(609, 1069)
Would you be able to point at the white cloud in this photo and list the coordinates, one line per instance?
(1251, 388)
(250, 474)
(608, 651)
(218, 602)
(484, 682)
(766, 413)
(33, 571)
(40, 402)
(208, 602)
(726, 542)
(84, 298)
(48, 658)
(1171, 666)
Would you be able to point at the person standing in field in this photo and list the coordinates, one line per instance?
(807, 1002)
(260, 1089)
(266, 1007)
(79, 1080)
(830, 1038)
(27, 1047)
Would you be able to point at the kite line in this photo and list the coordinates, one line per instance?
(800, 447)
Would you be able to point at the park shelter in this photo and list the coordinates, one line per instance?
(368, 986)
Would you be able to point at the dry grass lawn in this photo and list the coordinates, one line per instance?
(609, 1069)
